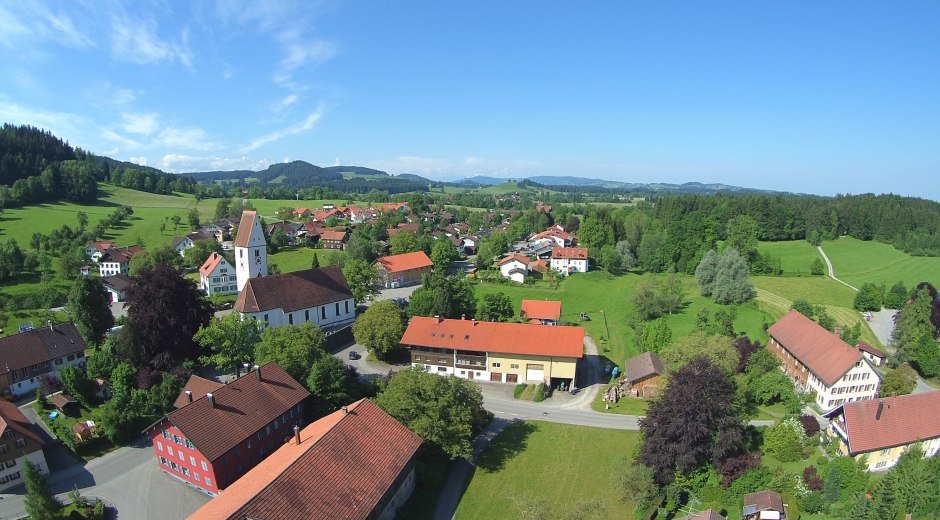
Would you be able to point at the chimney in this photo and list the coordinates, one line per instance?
(51, 326)
(247, 368)
(258, 371)
(345, 411)
(211, 399)
(438, 318)
(297, 435)
(189, 396)
(881, 406)
(463, 317)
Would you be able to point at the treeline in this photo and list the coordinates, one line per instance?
(25, 151)
(152, 180)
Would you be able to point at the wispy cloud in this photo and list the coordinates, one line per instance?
(300, 52)
(141, 124)
(284, 103)
(180, 163)
(63, 124)
(186, 138)
(135, 40)
(303, 126)
(31, 23)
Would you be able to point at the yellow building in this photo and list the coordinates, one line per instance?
(490, 351)
(881, 430)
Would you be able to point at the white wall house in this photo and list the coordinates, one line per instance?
(567, 260)
(18, 443)
(116, 260)
(26, 357)
(217, 276)
(515, 267)
(320, 296)
(251, 256)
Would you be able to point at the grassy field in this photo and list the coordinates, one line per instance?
(555, 469)
(297, 259)
(857, 262)
(795, 255)
(625, 406)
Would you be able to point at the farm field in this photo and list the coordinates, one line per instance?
(858, 261)
(557, 469)
(795, 255)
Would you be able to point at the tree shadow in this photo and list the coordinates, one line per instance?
(512, 441)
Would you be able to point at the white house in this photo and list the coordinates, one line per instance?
(181, 244)
(18, 443)
(117, 260)
(217, 276)
(567, 260)
(116, 286)
(94, 250)
(320, 296)
(515, 267)
(27, 357)
(251, 254)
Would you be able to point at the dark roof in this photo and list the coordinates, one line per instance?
(823, 353)
(120, 254)
(62, 400)
(11, 417)
(766, 500)
(342, 468)
(865, 347)
(199, 386)
(241, 408)
(903, 420)
(640, 367)
(294, 291)
(39, 345)
(118, 282)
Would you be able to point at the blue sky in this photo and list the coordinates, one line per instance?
(816, 97)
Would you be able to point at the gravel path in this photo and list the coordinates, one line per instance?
(832, 273)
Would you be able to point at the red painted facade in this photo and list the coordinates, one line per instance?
(212, 476)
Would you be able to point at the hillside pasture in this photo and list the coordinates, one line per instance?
(293, 259)
(795, 256)
(859, 261)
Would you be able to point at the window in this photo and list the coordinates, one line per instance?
(204, 467)
(463, 372)
(177, 439)
(257, 253)
(15, 476)
(307, 315)
(3, 448)
(881, 464)
(442, 360)
(442, 369)
(249, 442)
(58, 361)
(71, 357)
(159, 445)
(163, 461)
(192, 461)
(185, 471)
(495, 365)
(169, 449)
(182, 456)
(20, 443)
(241, 253)
(290, 318)
(885, 452)
(265, 318)
(196, 476)
(513, 365)
(323, 312)
(10, 463)
(337, 308)
(208, 481)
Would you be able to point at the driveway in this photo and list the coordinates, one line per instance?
(882, 324)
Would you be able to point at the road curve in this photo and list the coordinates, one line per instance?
(832, 273)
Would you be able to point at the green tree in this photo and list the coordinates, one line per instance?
(774, 387)
(784, 441)
(444, 411)
(495, 307)
(11, 259)
(732, 279)
(926, 357)
(279, 238)
(817, 268)
(102, 360)
(380, 329)
(869, 297)
(653, 335)
(551, 278)
(40, 504)
(705, 272)
(803, 307)
(897, 296)
(595, 233)
(647, 301)
(898, 381)
(123, 380)
(193, 218)
(625, 255)
(230, 339)
(670, 293)
(450, 297)
(329, 383)
(851, 334)
(89, 308)
(361, 277)
(742, 235)
(200, 252)
(82, 219)
(717, 348)
(222, 208)
(443, 255)
(176, 219)
(315, 262)
(914, 330)
(76, 384)
(294, 349)
(404, 242)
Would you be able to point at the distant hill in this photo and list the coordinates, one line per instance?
(482, 180)
(359, 170)
(635, 187)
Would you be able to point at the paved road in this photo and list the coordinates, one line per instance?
(832, 273)
(882, 324)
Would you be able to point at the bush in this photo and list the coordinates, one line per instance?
(735, 467)
(810, 424)
(517, 391)
(539, 393)
(785, 440)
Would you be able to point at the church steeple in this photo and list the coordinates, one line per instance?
(251, 253)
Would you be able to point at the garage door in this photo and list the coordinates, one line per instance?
(496, 376)
(535, 373)
(512, 378)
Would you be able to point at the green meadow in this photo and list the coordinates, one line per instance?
(858, 261)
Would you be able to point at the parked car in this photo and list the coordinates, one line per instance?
(354, 355)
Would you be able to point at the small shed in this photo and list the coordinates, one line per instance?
(642, 374)
(65, 404)
(764, 505)
(83, 430)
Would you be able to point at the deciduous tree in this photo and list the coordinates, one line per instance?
(495, 307)
(732, 279)
(40, 503)
(229, 341)
(294, 349)
(380, 329)
(361, 277)
(443, 255)
(717, 348)
(88, 307)
(329, 382)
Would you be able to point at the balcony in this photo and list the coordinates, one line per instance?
(471, 362)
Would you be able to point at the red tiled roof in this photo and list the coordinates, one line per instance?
(823, 353)
(11, 417)
(120, 254)
(576, 253)
(333, 235)
(542, 309)
(101, 247)
(904, 419)
(37, 346)
(199, 386)
(294, 291)
(540, 266)
(766, 500)
(210, 264)
(504, 338)
(865, 347)
(300, 211)
(62, 400)
(342, 468)
(241, 408)
(244, 228)
(405, 262)
(524, 260)
(642, 366)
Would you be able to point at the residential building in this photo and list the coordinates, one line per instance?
(878, 431)
(873, 355)
(251, 254)
(116, 286)
(514, 266)
(214, 440)
(543, 312)
(403, 270)
(469, 244)
(764, 505)
(117, 260)
(567, 260)
(643, 373)
(547, 208)
(217, 276)
(291, 230)
(19, 443)
(404, 227)
(94, 250)
(558, 238)
(357, 463)
(27, 357)
(502, 352)
(333, 239)
(320, 296)
(181, 244)
(708, 514)
(302, 213)
(819, 361)
(196, 388)
(66, 404)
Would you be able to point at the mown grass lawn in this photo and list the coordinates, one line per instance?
(795, 256)
(858, 261)
(556, 468)
(293, 259)
(625, 406)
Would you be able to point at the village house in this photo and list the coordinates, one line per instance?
(116, 286)
(873, 355)
(320, 296)
(94, 250)
(545, 208)
(41, 352)
(217, 276)
(333, 239)
(542, 312)
(302, 213)
(879, 431)
(251, 249)
(819, 361)
(290, 229)
(567, 260)
(764, 505)
(404, 227)
(501, 352)
(514, 266)
(19, 443)
(214, 440)
(557, 238)
(181, 244)
(643, 373)
(117, 260)
(403, 270)
(469, 244)
(357, 463)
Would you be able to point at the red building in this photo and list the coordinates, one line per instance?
(215, 439)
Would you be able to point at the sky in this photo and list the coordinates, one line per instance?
(810, 97)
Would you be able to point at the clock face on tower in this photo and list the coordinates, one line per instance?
(258, 260)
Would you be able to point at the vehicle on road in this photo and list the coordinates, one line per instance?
(354, 355)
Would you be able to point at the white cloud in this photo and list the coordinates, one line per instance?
(300, 52)
(308, 123)
(284, 103)
(140, 124)
(136, 41)
(186, 163)
(63, 124)
(186, 138)
(31, 23)
(122, 141)
(142, 160)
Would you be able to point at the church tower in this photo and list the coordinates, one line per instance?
(251, 254)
